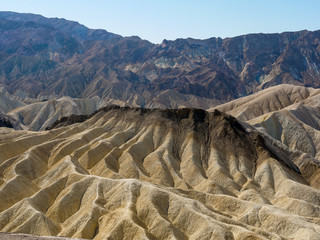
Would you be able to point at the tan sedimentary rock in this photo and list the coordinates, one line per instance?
(40, 115)
(287, 113)
(150, 174)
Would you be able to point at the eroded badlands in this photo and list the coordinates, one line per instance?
(149, 174)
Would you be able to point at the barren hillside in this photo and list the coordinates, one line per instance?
(156, 174)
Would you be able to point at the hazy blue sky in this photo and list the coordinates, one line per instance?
(170, 19)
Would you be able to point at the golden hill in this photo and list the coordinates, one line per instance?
(129, 173)
(287, 113)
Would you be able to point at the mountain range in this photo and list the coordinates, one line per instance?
(43, 58)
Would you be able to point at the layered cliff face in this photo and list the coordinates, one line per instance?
(42, 58)
(156, 174)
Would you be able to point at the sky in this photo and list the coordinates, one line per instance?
(156, 20)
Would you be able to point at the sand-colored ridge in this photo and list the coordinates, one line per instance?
(156, 174)
(287, 113)
(40, 115)
(266, 101)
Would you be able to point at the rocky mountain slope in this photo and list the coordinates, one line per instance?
(132, 173)
(42, 58)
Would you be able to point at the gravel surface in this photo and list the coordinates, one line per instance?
(21, 236)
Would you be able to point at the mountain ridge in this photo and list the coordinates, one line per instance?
(72, 60)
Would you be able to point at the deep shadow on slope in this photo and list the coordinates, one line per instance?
(9, 122)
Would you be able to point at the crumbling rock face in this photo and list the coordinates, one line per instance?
(134, 173)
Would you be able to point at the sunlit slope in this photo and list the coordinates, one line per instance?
(287, 113)
(150, 174)
(40, 115)
(268, 100)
